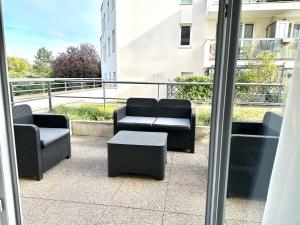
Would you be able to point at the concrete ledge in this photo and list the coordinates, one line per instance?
(92, 128)
(105, 129)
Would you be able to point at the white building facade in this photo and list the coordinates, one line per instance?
(153, 40)
(158, 40)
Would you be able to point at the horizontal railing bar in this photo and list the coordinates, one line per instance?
(141, 82)
(29, 90)
(30, 99)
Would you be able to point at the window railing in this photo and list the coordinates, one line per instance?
(284, 49)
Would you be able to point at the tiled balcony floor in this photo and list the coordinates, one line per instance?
(78, 191)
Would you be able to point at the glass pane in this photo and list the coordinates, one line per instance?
(148, 59)
(259, 164)
(248, 33)
(185, 35)
(296, 31)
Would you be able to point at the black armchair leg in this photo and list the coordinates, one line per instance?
(39, 176)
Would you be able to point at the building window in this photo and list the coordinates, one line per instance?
(294, 30)
(187, 74)
(108, 44)
(246, 30)
(186, 2)
(113, 35)
(185, 38)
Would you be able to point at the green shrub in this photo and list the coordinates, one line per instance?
(193, 92)
(86, 112)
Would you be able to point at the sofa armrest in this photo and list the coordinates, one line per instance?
(28, 148)
(193, 117)
(252, 146)
(193, 130)
(118, 115)
(251, 128)
(51, 120)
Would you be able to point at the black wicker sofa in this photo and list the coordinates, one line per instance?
(252, 153)
(173, 116)
(42, 140)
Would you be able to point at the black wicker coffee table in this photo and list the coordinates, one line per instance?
(136, 152)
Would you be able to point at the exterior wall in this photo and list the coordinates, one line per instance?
(108, 66)
(148, 37)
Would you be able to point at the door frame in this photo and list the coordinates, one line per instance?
(222, 107)
(9, 186)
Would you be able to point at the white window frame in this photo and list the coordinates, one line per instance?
(183, 25)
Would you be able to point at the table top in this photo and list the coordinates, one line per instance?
(139, 138)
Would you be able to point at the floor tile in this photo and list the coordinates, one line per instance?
(141, 193)
(70, 213)
(186, 199)
(129, 216)
(182, 219)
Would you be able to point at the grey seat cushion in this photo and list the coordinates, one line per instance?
(177, 123)
(137, 120)
(49, 135)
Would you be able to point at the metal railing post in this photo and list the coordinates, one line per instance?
(11, 89)
(158, 91)
(66, 87)
(94, 84)
(44, 88)
(49, 96)
(104, 95)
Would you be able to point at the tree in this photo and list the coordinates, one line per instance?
(18, 67)
(42, 62)
(261, 67)
(81, 62)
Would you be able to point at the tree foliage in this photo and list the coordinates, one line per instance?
(18, 67)
(261, 67)
(42, 62)
(81, 62)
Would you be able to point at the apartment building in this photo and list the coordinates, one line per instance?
(154, 40)
(268, 26)
(158, 40)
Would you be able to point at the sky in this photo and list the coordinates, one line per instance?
(54, 24)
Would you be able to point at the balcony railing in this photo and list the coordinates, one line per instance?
(284, 50)
(47, 89)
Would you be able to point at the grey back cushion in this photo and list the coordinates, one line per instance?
(272, 124)
(174, 108)
(141, 107)
(22, 114)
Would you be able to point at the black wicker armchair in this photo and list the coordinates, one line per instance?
(42, 140)
(252, 153)
(173, 116)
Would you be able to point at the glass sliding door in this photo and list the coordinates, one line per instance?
(254, 149)
(9, 194)
(227, 42)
